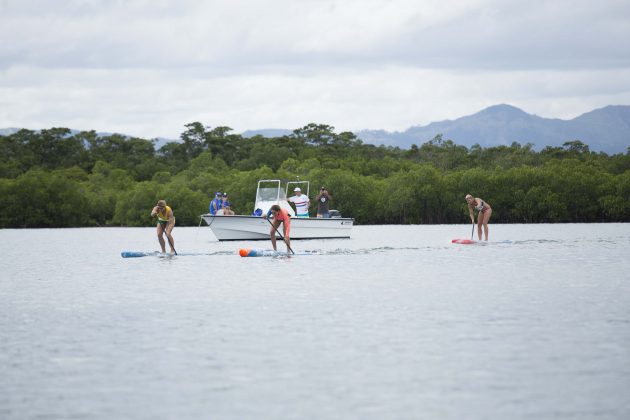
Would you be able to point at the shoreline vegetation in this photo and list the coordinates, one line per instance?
(57, 178)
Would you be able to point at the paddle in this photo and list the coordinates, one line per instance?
(281, 237)
(169, 239)
(472, 232)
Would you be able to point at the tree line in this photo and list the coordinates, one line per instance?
(57, 178)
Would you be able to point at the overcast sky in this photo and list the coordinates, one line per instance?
(147, 67)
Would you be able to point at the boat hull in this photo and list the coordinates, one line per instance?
(248, 228)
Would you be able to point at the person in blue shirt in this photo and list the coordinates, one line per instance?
(216, 203)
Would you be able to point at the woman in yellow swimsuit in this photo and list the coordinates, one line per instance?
(485, 211)
(165, 224)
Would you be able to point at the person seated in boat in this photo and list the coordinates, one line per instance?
(165, 224)
(485, 211)
(226, 208)
(323, 203)
(215, 204)
(280, 215)
(300, 202)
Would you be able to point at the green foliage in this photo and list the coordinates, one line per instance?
(133, 207)
(187, 204)
(43, 199)
(409, 194)
(615, 204)
(350, 193)
(56, 178)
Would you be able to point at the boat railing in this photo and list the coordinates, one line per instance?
(267, 196)
(300, 184)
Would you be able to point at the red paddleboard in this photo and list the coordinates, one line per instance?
(463, 241)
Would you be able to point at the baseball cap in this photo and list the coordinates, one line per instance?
(297, 189)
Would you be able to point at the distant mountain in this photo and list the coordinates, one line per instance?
(606, 129)
(267, 132)
(12, 130)
(8, 131)
(157, 142)
(603, 130)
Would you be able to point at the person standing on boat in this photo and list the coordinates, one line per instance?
(215, 204)
(165, 224)
(323, 203)
(280, 215)
(301, 203)
(485, 211)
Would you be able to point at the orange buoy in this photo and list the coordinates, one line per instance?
(243, 252)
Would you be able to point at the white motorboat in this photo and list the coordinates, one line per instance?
(254, 227)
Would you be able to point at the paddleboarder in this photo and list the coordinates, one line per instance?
(280, 215)
(485, 211)
(165, 224)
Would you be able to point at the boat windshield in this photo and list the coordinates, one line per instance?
(270, 194)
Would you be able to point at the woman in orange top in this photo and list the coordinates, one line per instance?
(485, 211)
(165, 224)
(280, 215)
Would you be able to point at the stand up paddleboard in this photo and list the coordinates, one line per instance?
(138, 254)
(246, 252)
(473, 242)
(463, 241)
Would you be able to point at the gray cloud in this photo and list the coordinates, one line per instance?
(149, 67)
(485, 34)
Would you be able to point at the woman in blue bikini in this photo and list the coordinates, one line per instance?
(485, 211)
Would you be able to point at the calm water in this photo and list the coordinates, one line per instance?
(395, 323)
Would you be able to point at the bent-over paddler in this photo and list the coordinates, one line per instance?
(165, 224)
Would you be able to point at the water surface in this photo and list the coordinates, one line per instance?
(396, 322)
